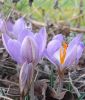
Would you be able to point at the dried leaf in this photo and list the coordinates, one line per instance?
(40, 86)
(52, 95)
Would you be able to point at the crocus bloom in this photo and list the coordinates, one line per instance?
(64, 55)
(25, 48)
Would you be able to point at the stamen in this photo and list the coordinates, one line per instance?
(63, 50)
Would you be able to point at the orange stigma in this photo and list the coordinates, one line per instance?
(63, 50)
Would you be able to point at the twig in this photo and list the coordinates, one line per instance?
(76, 17)
(75, 89)
(7, 67)
(80, 77)
(81, 86)
(8, 88)
(79, 30)
(9, 82)
(4, 97)
(12, 95)
(36, 74)
(43, 72)
(34, 22)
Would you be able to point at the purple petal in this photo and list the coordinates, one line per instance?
(71, 55)
(9, 25)
(80, 49)
(49, 58)
(19, 26)
(2, 26)
(53, 46)
(14, 50)
(29, 49)
(24, 33)
(25, 78)
(5, 39)
(6, 26)
(41, 39)
(52, 59)
(58, 37)
(1, 22)
(76, 40)
(57, 55)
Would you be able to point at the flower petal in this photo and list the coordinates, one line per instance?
(76, 40)
(25, 78)
(41, 39)
(59, 37)
(6, 26)
(53, 46)
(18, 26)
(57, 55)
(72, 50)
(71, 55)
(52, 59)
(29, 49)
(3, 26)
(49, 58)
(80, 49)
(14, 50)
(1, 22)
(9, 26)
(5, 39)
(24, 33)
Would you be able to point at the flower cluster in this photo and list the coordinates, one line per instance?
(27, 48)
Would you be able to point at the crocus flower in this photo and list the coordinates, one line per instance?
(12, 29)
(25, 48)
(64, 55)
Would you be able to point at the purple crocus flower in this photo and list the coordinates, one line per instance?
(25, 48)
(64, 55)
